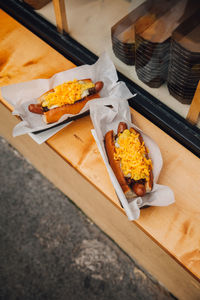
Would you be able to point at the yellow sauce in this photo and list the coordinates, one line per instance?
(132, 156)
(67, 93)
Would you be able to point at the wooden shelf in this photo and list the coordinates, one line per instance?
(165, 240)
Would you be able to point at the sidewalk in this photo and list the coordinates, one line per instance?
(50, 250)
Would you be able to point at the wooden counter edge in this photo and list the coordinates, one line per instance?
(126, 234)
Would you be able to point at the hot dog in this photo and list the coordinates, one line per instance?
(67, 98)
(128, 157)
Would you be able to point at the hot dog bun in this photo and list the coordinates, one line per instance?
(131, 183)
(54, 114)
(72, 104)
(115, 164)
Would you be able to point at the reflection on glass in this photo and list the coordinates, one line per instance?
(155, 43)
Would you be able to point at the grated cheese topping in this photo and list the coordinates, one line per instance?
(67, 93)
(132, 155)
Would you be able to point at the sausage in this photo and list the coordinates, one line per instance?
(131, 188)
(121, 127)
(98, 86)
(36, 108)
(139, 189)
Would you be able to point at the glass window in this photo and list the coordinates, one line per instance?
(155, 43)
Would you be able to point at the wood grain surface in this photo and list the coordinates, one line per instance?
(176, 228)
(23, 56)
(194, 111)
(60, 14)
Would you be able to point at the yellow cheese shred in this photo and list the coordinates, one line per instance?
(132, 156)
(66, 93)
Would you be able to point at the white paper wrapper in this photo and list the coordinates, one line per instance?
(105, 119)
(22, 94)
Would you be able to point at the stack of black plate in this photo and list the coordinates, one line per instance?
(124, 46)
(123, 34)
(152, 39)
(184, 72)
(152, 60)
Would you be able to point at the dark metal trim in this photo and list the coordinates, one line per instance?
(150, 107)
